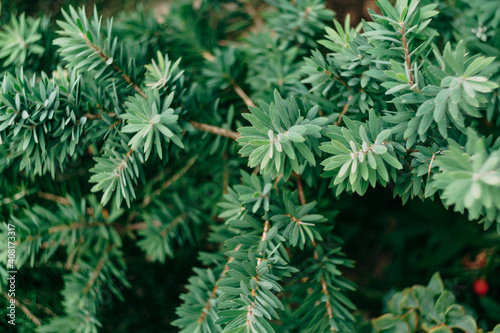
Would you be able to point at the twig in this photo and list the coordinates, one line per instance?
(344, 111)
(23, 308)
(324, 287)
(300, 189)
(143, 225)
(408, 59)
(175, 222)
(74, 225)
(96, 271)
(125, 161)
(116, 68)
(16, 197)
(92, 116)
(255, 15)
(164, 186)
(242, 94)
(49, 196)
(169, 182)
(325, 291)
(202, 127)
(264, 235)
(430, 164)
(41, 307)
(215, 130)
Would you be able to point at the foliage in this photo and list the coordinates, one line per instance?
(430, 308)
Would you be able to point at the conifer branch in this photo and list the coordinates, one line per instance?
(324, 287)
(213, 294)
(97, 271)
(253, 291)
(106, 59)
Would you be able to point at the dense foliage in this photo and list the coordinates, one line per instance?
(263, 135)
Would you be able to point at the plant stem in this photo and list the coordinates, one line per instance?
(408, 59)
(242, 94)
(215, 130)
(213, 294)
(116, 68)
(324, 287)
(344, 111)
(302, 198)
(96, 271)
(49, 196)
(23, 308)
(264, 235)
(18, 196)
(169, 182)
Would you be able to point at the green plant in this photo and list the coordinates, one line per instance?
(431, 309)
(132, 140)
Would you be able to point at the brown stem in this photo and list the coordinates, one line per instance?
(338, 78)
(41, 307)
(124, 162)
(215, 130)
(226, 175)
(164, 186)
(264, 235)
(325, 291)
(16, 197)
(96, 271)
(408, 59)
(23, 308)
(255, 15)
(92, 116)
(74, 225)
(263, 238)
(175, 222)
(116, 68)
(142, 225)
(302, 198)
(49, 196)
(71, 258)
(242, 94)
(169, 182)
(344, 111)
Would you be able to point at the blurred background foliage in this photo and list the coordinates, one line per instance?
(394, 247)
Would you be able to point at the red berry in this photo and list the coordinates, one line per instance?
(480, 287)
